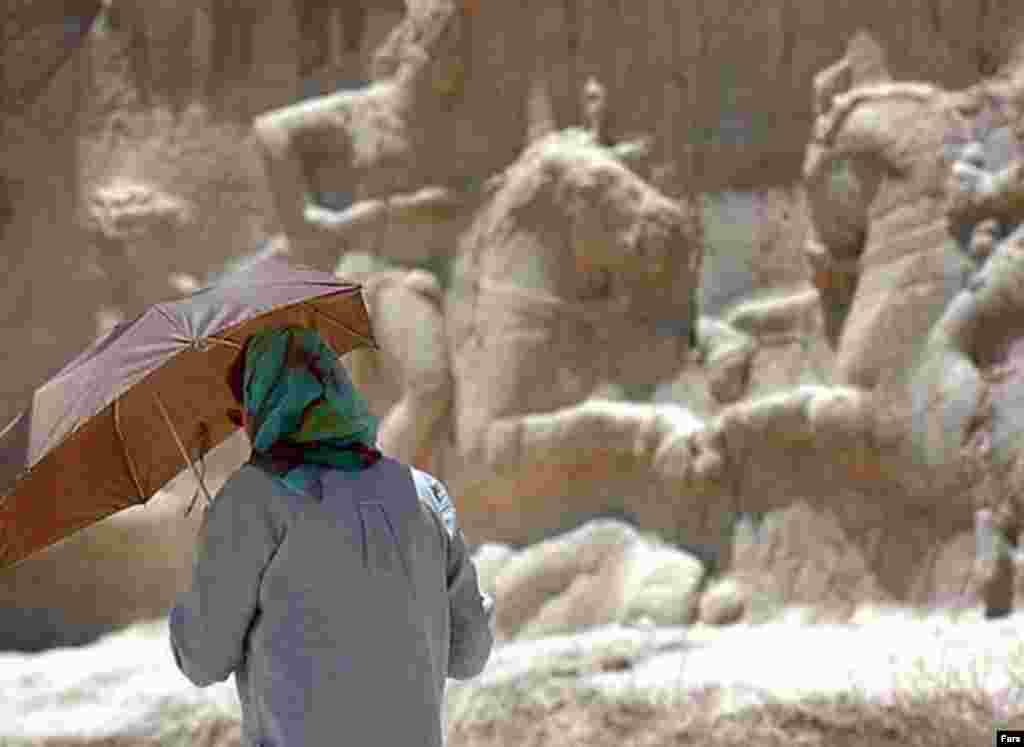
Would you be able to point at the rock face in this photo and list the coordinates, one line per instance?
(723, 603)
(912, 183)
(407, 382)
(928, 206)
(36, 40)
(733, 109)
(575, 258)
(45, 71)
(148, 211)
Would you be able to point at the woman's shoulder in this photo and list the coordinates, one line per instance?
(433, 492)
(263, 490)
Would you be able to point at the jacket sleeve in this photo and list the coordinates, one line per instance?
(472, 611)
(472, 614)
(209, 623)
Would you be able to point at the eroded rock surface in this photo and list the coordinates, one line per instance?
(525, 381)
(601, 573)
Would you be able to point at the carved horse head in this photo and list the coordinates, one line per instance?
(876, 177)
(589, 270)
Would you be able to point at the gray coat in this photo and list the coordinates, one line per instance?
(340, 620)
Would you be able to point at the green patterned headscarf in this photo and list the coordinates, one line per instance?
(303, 414)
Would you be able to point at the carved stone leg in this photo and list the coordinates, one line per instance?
(564, 463)
(248, 19)
(830, 423)
(414, 428)
(223, 30)
(409, 328)
(993, 566)
(314, 23)
(836, 283)
(572, 434)
(140, 57)
(727, 354)
(353, 18)
(695, 470)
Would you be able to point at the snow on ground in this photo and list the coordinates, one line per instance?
(792, 661)
(127, 683)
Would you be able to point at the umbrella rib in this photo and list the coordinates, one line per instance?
(181, 448)
(158, 308)
(225, 341)
(368, 340)
(124, 450)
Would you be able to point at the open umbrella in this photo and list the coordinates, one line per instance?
(150, 398)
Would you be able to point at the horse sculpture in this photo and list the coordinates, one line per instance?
(914, 196)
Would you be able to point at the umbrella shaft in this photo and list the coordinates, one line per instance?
(181, 447)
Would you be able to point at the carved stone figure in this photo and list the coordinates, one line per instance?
(595, 102)
(874, 164)
(232, 46)
(160, 37)
(408, 381)
(38, 39)
(382, 137)
(994, 566)
(983, 239)
(574, 273)
(910, 258)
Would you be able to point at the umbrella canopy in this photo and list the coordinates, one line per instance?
(149, 398)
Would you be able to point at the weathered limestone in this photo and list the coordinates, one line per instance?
(408, 381)
(37, 40)
(131, 225)
(209, 51)
(383, 135)
(724, 602)
(456, 91)
(922, 304)
(572, 258)
(601, 573)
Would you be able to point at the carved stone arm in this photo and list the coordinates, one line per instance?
(426, 205)
(635, 151)
(835, 79)
(727, 354)
(275, 138)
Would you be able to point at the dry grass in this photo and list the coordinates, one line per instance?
(926, 707)
(950, 719)
(954, 718)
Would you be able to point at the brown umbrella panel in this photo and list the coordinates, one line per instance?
(148, 399)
